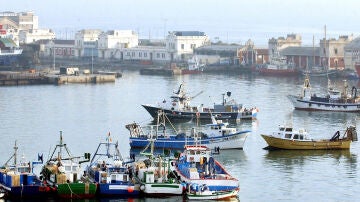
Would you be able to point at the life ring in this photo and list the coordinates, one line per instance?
(142, 187)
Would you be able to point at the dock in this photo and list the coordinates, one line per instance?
(91, 78)
(28, 78)
(160, 71)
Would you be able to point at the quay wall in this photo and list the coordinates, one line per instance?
(64, 79)
(21, 78)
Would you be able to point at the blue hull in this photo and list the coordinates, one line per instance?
(174, 142)
(27, 191)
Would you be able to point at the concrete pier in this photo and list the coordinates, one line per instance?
(26, 78)
(21, 78)
(91, 78)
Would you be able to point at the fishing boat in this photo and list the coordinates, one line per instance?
(194, 67)
(63, 171)
(17, 180)
(111, 172)
(316, 71)
(197, 165)
(289, 138)
(216, 135)
(335, 100)
(155, 176)
(9, 51)
(180, 109)
(202, 192)
(278, 66)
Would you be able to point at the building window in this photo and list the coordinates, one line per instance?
(336, 51)
(182, 46)
(193, 46)
(145, 54)
(140, 54)
(163, 55)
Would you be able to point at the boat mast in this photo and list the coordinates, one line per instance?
(327, 53)
(313, 51)
(15, 154)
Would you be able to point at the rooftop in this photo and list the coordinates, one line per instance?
(302, 51)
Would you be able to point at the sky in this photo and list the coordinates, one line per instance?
(232, 21)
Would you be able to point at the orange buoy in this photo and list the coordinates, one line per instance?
(130, 189)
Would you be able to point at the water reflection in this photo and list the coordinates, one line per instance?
(289, 157)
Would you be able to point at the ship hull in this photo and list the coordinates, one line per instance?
(280, 143)
(323, 106)
(189, 115)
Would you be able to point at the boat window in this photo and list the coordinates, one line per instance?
(282, 129)
(288, 129)
(113, 177)
(288, 135)
(192, 152)
(74, 168)
(301, 137)
(296, 136)
(67, 168)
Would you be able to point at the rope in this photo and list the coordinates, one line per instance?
(71, 192)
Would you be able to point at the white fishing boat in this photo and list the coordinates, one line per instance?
(194, 67)
(335, 100)
(202, 192)
(155, 176)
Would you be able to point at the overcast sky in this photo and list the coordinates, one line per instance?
(229, 20)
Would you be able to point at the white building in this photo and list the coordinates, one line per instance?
(352, 53)
(181, 44)
(33, 35)
(276, 45)
(146, 53)
(112, 42)
(58, 48)
(20, 21)
(333, 52)
(12, 24)
(86, 42)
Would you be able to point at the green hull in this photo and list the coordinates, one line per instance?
(77, 190)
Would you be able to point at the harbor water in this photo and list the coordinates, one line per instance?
(85, 113)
